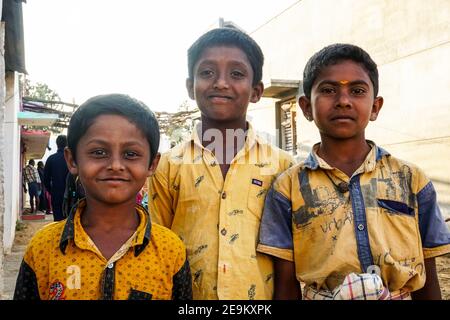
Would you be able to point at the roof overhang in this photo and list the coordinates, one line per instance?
(35, 142)
(279, 88)
(29, 118)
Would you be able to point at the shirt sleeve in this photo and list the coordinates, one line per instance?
(182, 283)
(433, 230)
(275, 236)
(26, 284)
(160, 200)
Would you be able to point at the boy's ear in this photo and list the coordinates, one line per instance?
(305, 105)
(257, 92)
(70, 160)
(190, 88)
(377, 104)
(154, 164)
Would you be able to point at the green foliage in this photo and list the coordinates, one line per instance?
(40, 91)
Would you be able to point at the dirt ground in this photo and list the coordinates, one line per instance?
(28, 228)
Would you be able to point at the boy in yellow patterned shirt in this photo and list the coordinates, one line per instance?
(107, 248)
(351, 221)
(211, 189)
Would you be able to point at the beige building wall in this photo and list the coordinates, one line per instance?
(410, 42)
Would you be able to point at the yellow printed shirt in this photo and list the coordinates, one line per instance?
(63, 263)
(219, 219)
(383, 219)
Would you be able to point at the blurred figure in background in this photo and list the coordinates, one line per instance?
(55, 173)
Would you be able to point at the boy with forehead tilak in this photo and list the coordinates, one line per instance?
(351, 221)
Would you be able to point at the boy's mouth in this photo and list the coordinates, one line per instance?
(219, 98)
(112, 179)
(342, 117)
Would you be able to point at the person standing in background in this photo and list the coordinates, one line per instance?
(42, 198)
(55, 172)
(31, 178)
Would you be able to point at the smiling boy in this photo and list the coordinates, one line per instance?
(210, 190)
(107, 248)
(351, 221)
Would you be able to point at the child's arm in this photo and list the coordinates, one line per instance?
(286, 286)
(275, 239)
(182, 283)
(159, 197)
(431, 290)
(26, 284)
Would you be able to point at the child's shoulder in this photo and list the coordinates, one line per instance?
(47, 235)
(400, 165)
(161, 234)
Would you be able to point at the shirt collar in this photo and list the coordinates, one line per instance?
(313, 161)
(73, 224)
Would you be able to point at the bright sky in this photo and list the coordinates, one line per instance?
(81, 48)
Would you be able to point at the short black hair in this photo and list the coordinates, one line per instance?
(231, 37)
(61, 141)
(333, 54)
(114, 104)
(31, 161)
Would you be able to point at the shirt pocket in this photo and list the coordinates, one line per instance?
(259, 186)
(395, 207)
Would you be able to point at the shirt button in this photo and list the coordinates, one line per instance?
(224, 195)
(110, 266)
(223, 231)
(360, 227)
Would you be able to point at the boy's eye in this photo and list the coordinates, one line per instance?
(98, 153)
(327, 90)
(237, 74)
(206, 73)
(359, 91)
(130, 154)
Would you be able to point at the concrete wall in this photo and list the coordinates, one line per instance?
(410, 42)
(11, 155)
(2, 111)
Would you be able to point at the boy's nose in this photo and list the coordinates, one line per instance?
(343, 100)
(116, 164)
(221, 82)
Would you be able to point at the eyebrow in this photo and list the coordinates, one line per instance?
(337, 83)
(105, 142)
(238, 62)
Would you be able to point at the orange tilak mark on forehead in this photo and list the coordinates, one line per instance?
(343, 82)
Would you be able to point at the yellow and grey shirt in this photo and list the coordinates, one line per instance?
(383, 219)
(63, 263)
(218, 219)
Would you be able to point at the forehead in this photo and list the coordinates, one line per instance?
(223, 53)
(346, 70)
(112, 126)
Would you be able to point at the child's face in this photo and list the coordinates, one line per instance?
(112, 160)
(342, 101)
(222, 84)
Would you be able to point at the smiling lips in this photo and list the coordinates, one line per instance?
(114, 179)
(219, 98)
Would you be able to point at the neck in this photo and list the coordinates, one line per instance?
(345, 155)
(224, 139)
(107, 217)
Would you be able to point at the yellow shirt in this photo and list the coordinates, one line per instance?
(219, 220)
(384, 219)
(63, 263)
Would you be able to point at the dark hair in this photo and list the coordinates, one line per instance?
(228, 37)
(31, 161)
(116, 104)
(61, 141)
(333, 54)
(40, 164)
